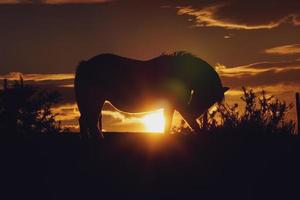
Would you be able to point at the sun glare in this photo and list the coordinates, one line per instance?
(154, 122)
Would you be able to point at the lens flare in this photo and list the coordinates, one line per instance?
(154, 122)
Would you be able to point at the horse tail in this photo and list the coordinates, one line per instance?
(80, 73)
(80, 70)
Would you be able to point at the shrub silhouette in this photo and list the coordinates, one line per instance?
(262, 114)
(183, 128)
(27, 109)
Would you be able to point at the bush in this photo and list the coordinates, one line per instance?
(262, 114)
(27, 109)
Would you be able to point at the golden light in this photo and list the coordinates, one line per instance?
(154, 122)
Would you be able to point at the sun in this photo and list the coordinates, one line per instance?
(154, 122)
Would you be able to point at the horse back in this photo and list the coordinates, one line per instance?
(125, 82)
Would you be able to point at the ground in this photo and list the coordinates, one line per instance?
(144, 166)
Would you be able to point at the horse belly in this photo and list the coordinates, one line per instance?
(137, 91)
(143, 103)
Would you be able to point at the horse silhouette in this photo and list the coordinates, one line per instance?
(178, 81)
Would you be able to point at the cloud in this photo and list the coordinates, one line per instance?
(52, 1)
(67, 85)
(247, 15)
(284, 50)
(270, 77)
(68, 114)
(261, 74)
(271, 89)
(70, 111)
(37, 77)
(257, 68)
(279, 64)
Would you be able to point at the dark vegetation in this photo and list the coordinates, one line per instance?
(248, 155)
(27, 109)
(262, 114)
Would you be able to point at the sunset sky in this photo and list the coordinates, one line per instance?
(250, 43)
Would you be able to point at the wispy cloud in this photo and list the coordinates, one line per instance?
(227, 14)
(70, 111)
(257, 68)
(208, 17)
(271, 89)
(37, 77)
(53, 1)
(284, 50)
(68, 114)
(261, 74)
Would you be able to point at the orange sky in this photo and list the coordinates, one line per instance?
(250, 43)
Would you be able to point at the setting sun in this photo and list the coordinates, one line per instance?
(154, 122)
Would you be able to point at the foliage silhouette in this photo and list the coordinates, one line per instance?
(27, 109)
(261, 114)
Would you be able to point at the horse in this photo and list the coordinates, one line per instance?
(178, 81)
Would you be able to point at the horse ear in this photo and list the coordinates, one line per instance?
(225, 89)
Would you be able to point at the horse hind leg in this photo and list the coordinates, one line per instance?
(94, 117)
(83, 126)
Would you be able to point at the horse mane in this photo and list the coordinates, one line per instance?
(179, 54)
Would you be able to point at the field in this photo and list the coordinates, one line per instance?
(151, 166)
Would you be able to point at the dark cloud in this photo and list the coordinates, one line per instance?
(242, 14)
(52, 1)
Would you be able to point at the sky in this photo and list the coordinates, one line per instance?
(250, 43)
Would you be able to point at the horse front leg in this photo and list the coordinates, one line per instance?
(192, 120)
(93, 126)
(84, 134)
(168, 114)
